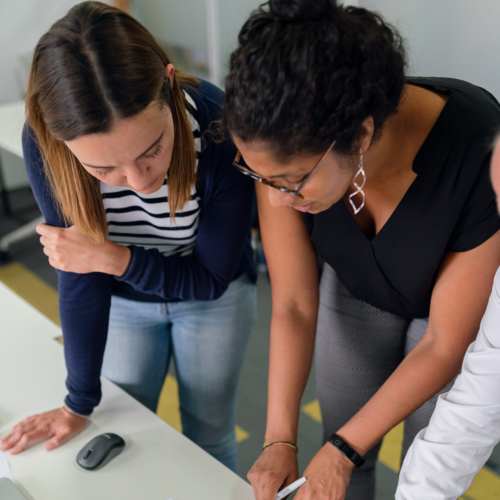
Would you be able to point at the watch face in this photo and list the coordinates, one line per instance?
(337, 442)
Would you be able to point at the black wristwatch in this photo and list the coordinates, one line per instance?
(346, 450)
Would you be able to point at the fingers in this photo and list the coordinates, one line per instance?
(59, 439)
(43, 229)
(50, 234)
(17, 433)
(10, 440)
(271, 489)
(28, 438)
(55, 424)
(267, 484)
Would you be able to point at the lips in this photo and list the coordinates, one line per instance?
(304, 208)
(150, 185)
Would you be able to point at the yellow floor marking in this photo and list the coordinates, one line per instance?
(241, 434)
(32, 289)
(486, 486)
(390, 452)
(313, 410)
(168, 405)
(168, 408)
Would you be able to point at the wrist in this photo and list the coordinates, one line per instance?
(118, 258)
(346, 450)
(280, 435)
(288, 444)
(341, 461)
(72, 413)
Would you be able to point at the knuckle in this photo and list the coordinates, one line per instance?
(269, 476)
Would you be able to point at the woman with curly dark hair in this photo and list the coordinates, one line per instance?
(385, 177)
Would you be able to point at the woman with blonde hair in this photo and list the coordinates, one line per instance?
(147, 224)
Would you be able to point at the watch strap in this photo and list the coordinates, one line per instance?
(346, 450)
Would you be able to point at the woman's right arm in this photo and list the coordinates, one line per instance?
(295, 298)
(84, 303)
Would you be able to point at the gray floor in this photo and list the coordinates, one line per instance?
(253, 389)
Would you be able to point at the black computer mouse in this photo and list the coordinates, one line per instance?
(101, 450)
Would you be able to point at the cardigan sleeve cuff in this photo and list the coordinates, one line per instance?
(123, 277)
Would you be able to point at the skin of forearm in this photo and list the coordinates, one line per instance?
(291, 354)
(422, 374)
(114, 258)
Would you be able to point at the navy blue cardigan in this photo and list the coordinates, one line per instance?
(221, 254)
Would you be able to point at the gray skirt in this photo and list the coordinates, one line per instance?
(358, 346)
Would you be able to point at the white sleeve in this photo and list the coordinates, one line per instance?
(465, 426)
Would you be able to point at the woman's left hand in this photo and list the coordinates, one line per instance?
(71, 251)
(328, 476)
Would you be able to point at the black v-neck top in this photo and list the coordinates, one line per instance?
(450, 206)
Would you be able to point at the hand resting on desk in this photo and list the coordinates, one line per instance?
(60, 425)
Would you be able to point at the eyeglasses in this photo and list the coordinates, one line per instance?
(245, 170)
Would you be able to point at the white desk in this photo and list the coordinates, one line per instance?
(157, 462)
(11, 127)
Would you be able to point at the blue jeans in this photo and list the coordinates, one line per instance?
(207, 339)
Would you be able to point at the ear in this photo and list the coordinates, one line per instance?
(367, 131)
(169, 73)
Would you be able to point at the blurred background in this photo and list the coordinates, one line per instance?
(450, 38)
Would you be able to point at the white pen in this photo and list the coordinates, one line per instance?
(291, 487)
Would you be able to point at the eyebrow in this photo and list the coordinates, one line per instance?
(140, 156)
(288, 174)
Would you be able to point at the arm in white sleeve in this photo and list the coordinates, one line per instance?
(465, 426)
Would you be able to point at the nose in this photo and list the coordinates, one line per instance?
(278, 199)
(138, 177)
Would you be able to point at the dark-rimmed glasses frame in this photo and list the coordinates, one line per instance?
(250, 173)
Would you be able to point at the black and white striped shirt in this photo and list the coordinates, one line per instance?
(144, 219)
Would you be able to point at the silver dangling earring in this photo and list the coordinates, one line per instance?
(359, 187)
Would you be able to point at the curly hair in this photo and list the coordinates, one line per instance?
(306, 72)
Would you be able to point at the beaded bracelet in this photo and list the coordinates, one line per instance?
(286, 443)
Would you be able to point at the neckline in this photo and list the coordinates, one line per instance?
(419, 161)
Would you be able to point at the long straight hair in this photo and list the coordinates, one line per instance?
(94, 66)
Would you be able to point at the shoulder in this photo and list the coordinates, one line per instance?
(208, 100)
(217, 153)
(473, 108)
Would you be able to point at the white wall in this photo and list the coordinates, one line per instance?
(184, 22)
(233, 14)
(22, 23)
(452, 38)
(176, 22)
